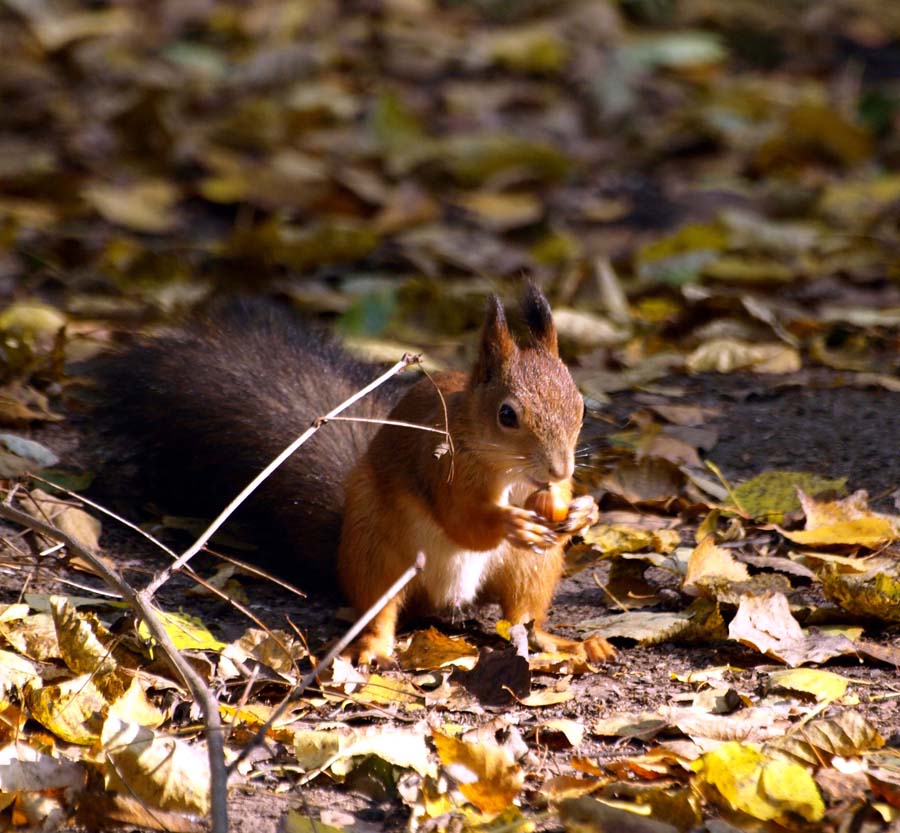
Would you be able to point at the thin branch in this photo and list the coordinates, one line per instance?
(336, 649)
(397, 422)
(140, 602)
(440, 394)
(163, 576)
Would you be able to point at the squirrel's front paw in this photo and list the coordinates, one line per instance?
(525, 528)
(583, 512)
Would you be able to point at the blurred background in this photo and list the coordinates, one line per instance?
(685, 178)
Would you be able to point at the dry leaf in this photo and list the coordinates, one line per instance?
(744, 779)
(487, 775)
(710, 562)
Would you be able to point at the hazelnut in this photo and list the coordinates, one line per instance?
(549, 503)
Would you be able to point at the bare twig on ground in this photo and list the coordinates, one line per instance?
(140, 601)
(336, 649)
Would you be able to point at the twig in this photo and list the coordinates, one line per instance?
(397, 422)
(140, 601)
(163, 576)
(194, 576)
(339, 646)
(440, 394)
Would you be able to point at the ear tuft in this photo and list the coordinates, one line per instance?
(539, 318)
(497, 344)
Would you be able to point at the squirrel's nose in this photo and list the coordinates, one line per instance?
(561, 467)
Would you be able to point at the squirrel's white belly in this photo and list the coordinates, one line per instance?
(453, 576)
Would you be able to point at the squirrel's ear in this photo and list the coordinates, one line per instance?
(497, 344)
(539, 318)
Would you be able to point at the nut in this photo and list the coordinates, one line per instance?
(549, 503)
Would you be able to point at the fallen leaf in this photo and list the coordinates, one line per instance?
(847, 735)
(589, 815)
(188, 633)
(742, 778)
(146, 205)
(729, 355)
(874, 594)
(773, 494)
(487, 775)
(711, 562)
(74, 522)
(765, 623)
(72, 709)
(340, 750)
(823, 685)
(430, 649)
(164, 772)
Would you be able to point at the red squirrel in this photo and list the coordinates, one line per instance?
(202, 410)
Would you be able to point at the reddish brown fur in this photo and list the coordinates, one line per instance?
(403, 496)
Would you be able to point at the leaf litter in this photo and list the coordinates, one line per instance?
(720, 248)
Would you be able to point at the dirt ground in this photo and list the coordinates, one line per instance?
(806, 423)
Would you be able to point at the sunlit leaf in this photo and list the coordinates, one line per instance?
(723, 355)
(431, 649)
(773, 494)
(147, 206)
(743, 779)
(876, 594)
(487, 775)
(823, 685)
(847, 735)
(709, 561)
(164, 772)
(188, 633)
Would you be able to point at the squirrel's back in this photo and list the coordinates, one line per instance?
(195, 414)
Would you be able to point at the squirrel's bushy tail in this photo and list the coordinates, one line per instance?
(195, 414)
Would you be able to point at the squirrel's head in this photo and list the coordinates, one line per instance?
(523, 396)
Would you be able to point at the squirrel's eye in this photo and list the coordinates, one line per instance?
(507, 416)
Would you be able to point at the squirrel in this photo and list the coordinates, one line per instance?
(202, 410)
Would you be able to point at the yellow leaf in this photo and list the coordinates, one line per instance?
(15, 672)
(135, 707)
(865, 532)
(823, 685)
(75, 522)
(876, 594)
(828, 512)
(773, 493)
(73, 710)
(29, 319)
(502, 211)
(430, 649)
(614, 539)
(383, 691)
(743, 779)
(33, 636)
(83, 642)
(296, 822)
(186, 631)
(336, 749)
(547, 697)
(709, 561)
(147, 206)
(571, 730)
(590, 815)
(164, 772)
(530, 48)
(487, 775)
(726, 355)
